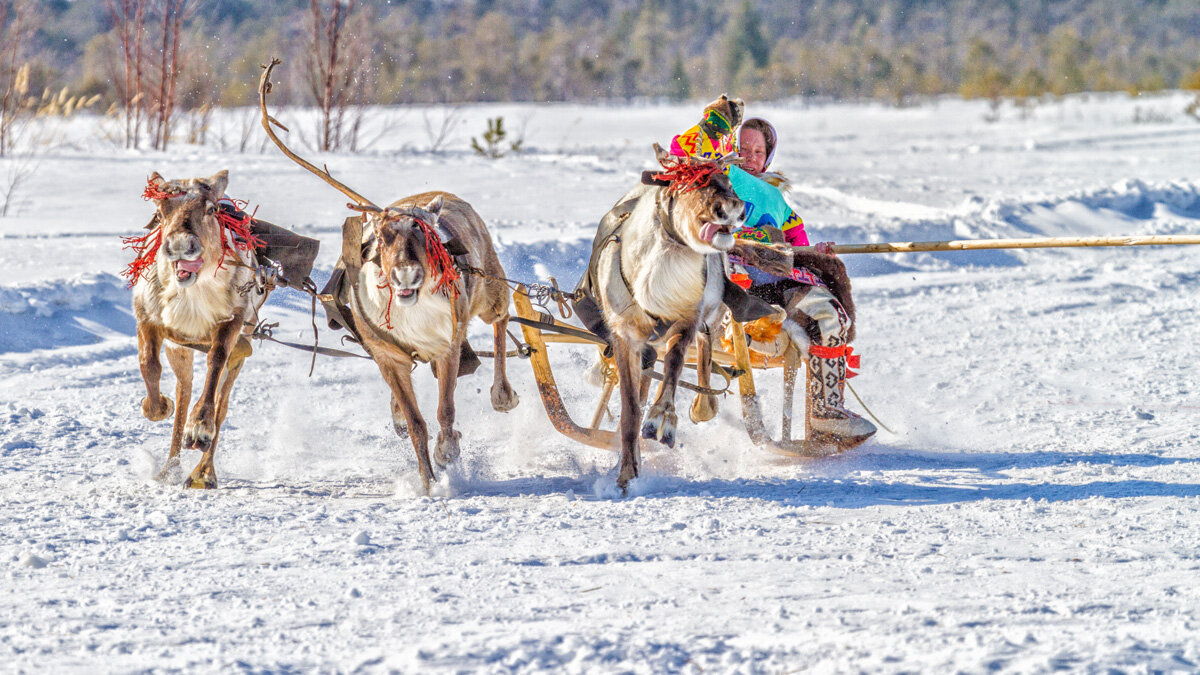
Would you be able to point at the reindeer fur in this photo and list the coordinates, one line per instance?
(182, 311)
(433, 326)
(669, 277)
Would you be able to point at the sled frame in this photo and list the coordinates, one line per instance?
(742, 359)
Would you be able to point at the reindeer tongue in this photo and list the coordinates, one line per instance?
(708, 231)
(188, 266)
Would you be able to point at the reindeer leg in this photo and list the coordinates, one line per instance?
(447, 448)
(503, 396)
(180, 359)
(661, 418)
(704, 408)
(629, 374)
(204, 476)
(155, 406)
(202, 425)
(398, 376)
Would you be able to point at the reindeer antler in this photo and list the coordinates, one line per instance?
(264, 86)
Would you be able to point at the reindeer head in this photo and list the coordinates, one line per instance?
(191, 235)
(706, 211)
(410, 250)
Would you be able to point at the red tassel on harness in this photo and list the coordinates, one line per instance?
(243, 238)
(145, 249)
(440, 262)
(152, 191)
(685, 175)
(852, 359)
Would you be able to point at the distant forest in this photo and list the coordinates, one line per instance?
(451, 51)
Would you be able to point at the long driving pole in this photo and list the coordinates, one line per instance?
(1041, 242)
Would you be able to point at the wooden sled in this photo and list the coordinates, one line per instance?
(743, 362)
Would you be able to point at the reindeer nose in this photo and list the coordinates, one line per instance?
(408, 276)
(185, 247)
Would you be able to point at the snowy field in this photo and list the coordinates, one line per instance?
(1036, 508)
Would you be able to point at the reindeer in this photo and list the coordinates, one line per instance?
(407, 301)
(196, 286)
(658, 276)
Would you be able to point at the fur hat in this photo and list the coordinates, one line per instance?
(722, 116)
(768, 131)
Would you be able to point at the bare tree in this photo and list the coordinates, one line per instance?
(129, 18)
(172, 14)
(18, 169)
(16, 28)
(336, 74)
(438, 130)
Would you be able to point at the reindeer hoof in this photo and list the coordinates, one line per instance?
(400, 427)
(199, 436)
(703, 409)
(660, 426)
(628, 473)
(170, 471)
(162, 411)
(195, 482)
(427, 479)
(504, 398)
(447, 449)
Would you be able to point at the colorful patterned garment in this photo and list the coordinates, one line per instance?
(765, 206)
(695, 143)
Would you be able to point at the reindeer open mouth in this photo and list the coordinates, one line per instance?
(408, 290)
(186, 271)
(717, 235)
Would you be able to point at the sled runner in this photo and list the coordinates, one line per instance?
(541, 330)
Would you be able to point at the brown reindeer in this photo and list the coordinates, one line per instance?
(195, 288)
(657, 275)
(401, 293)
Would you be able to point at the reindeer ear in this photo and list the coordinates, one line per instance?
(217, 184)
(434, 208)
(660, 154)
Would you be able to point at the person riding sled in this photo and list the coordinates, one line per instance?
(816, 295)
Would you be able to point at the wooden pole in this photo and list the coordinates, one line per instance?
(987, 244)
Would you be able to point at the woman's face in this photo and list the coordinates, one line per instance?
(752, 148)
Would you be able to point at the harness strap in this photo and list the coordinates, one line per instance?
(852, 359)
(548, 324)
(264, 333)
(684, 384)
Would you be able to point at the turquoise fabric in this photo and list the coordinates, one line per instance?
(764, 203)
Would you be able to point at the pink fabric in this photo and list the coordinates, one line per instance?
(796, 236)
(675, 149)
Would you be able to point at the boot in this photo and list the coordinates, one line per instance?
(826, 383)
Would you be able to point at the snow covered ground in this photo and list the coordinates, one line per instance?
(1036, 507)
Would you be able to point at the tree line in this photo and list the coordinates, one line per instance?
(192, 54)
